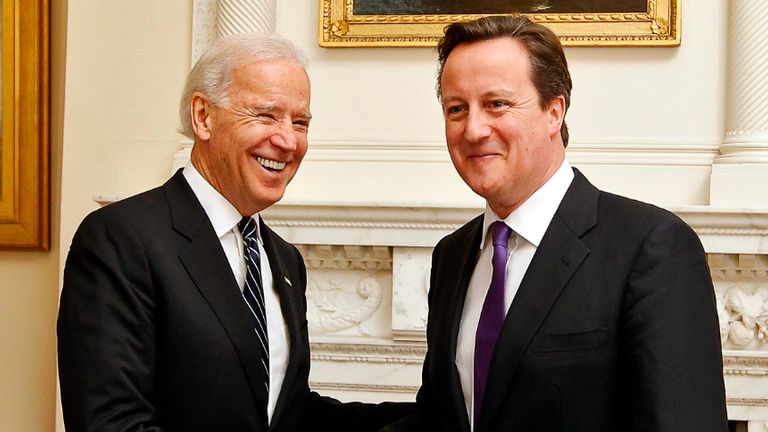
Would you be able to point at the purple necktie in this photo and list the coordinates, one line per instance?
(492, 316)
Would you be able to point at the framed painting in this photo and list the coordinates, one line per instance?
(24, 151)
(376, 23)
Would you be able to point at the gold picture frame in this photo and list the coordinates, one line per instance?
(24, 151)
(340, 26)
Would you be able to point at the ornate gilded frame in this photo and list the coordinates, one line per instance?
(658, 26)
(24, 151)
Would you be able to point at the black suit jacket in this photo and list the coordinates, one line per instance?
(614, 328)
(154, 334)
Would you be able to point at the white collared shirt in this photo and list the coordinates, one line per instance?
(529, 222)
(224, 218)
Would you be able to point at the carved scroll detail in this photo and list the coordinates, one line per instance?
(744, 317)
(332, 307)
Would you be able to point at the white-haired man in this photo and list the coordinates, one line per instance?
(181, 310)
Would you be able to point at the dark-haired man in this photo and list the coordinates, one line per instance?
(562, 307)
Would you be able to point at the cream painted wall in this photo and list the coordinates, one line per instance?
(28, 300)
(29, 290)
(126, 62)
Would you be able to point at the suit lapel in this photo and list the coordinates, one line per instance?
(209, 269)
(454, 282)
(557, 258)
(291, 299)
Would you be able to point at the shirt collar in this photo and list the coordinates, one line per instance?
(531, 220)
(223, 215)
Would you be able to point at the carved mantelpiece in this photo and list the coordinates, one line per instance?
(728, 229)
(348, 290)
(741, 289)
(741, 286)
(360, 337)
(371, 372)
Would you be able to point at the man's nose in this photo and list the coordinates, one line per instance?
(476, 127)
(285, 137)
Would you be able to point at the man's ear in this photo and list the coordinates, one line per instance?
(556, 114)
(201, 116)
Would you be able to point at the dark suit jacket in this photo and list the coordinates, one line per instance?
(614, 328)
(154, 334)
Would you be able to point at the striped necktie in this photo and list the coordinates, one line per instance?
(253, 292)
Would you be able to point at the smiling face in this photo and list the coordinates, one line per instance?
(502, 142)
(250, 147)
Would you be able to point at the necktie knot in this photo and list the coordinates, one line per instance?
(247, 227)
(500, 233)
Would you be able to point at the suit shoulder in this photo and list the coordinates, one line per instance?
(141, 213)
(139, 206)
(621, 210)
(625, 204)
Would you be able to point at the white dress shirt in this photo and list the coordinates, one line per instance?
(529, 222)
(224, 218)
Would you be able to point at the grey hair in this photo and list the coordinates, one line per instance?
(212, 74)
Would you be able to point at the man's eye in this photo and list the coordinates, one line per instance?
(498, 104)
(301, 126)
(453, 110)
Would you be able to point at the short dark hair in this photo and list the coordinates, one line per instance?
(549, 69)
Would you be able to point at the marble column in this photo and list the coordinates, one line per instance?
(246, 16)
(212, 19)
(740, 173)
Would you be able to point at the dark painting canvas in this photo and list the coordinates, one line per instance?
(429, 7)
